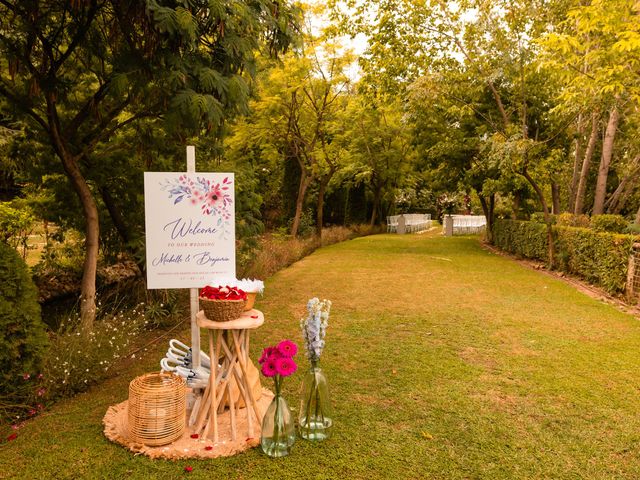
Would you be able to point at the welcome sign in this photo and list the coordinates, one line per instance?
(190, 228)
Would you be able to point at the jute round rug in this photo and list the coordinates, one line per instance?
(116, 430)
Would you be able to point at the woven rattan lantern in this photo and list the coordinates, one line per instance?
(157, 408)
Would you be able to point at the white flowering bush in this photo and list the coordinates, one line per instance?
(76, 361)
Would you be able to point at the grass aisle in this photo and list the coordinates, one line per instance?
(446, 361)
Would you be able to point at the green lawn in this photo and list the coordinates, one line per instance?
(446, 361)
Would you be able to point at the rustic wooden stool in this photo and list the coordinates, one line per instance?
(229, 345)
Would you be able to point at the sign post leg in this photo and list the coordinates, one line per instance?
(195, 330)
(194, 306)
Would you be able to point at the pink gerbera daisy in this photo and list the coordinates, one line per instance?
(269, 368)
(264, 356)
(285, 366)
(269, 353)
(287, 348)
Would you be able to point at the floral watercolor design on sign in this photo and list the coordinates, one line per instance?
(213, 198)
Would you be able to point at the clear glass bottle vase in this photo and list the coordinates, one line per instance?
(315, 420)
(278, 429)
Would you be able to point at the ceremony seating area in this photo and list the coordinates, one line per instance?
(468, 224)
(414, 222)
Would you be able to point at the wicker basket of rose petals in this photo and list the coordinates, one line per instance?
(221, 304)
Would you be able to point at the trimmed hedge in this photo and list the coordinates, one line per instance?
(609, 223)
(527, 239)
(601, 258)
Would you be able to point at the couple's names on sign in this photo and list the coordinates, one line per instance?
(190, 228)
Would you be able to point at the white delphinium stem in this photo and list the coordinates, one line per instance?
(314, 327)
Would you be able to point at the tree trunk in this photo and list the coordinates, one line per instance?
(586, 163)
(517, 199)
(576, 165)
(637, 219)
(555, 197)
(624, 197)
(490, 219)
(605, 161)
(320, 207)
(618, 199)
(612, 202)
(346, 207)
(377, 193)
(305, 180)
(92, 239)
(92, 226)
(487, 209)
(324, 182)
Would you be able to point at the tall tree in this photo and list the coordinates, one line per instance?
(605, 161)
(381, 147)
(586, 163)
(297, 114)
(79, 72)
(593, 52)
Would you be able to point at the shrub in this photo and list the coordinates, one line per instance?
(307, 225)
(601, 258)
(571, 220)
(64, 255)
(23, 339)
(538, 217)
(609, 223)
(279, 251)
(633, 229)
(333, 235)
(15, 226)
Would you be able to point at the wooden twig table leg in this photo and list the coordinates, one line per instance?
(243, 367)
(229, 352)
(213, 414)
(232, 412)
(242, 385)
(204, 406)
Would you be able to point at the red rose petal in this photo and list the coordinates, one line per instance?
(254, 316)
(188, 469)
(208, 447)
(12, 437)
(194, 435)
